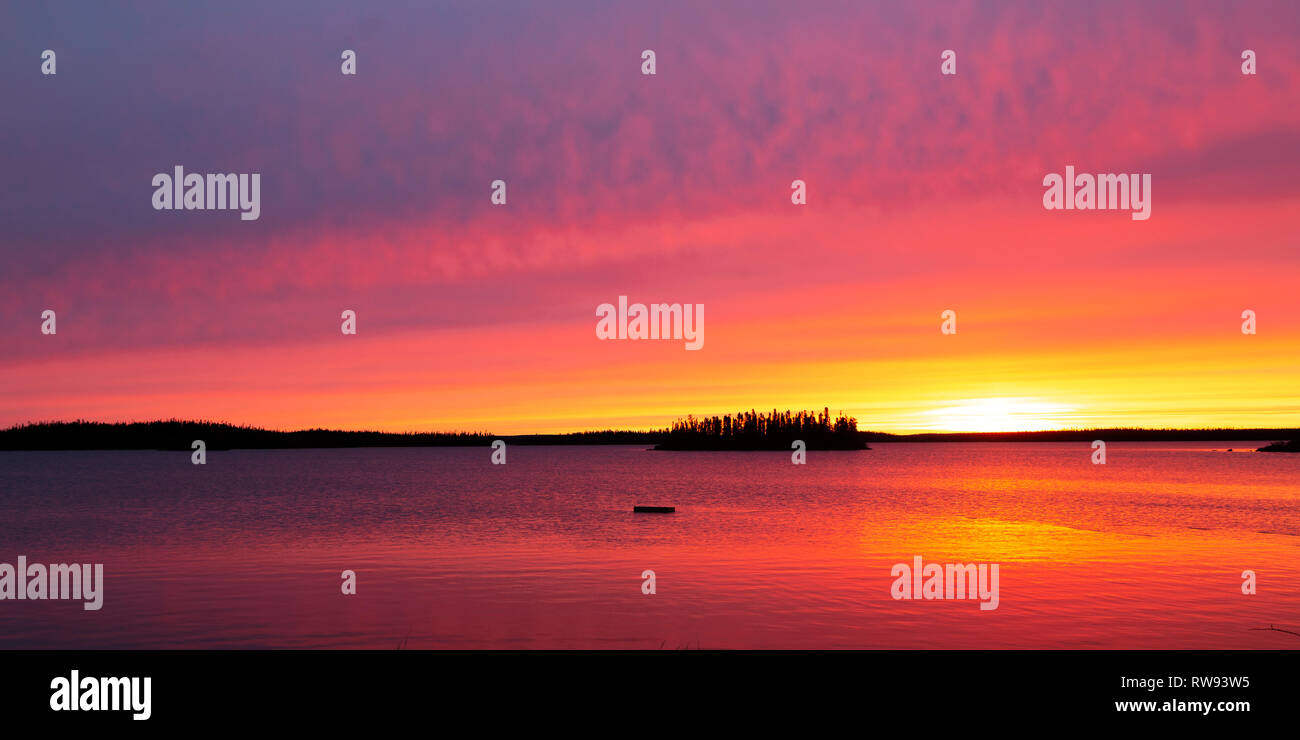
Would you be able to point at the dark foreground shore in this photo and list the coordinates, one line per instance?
(179, 434)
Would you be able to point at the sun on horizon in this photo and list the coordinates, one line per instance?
(1001, 415)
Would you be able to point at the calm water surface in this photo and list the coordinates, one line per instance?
(453, 552)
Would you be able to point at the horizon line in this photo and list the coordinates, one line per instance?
(607, 430)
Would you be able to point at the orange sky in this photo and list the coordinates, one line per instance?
(924, 194)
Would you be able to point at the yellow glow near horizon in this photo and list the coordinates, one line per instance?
(1001, 415)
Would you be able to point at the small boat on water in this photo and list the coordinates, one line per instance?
(654, 509)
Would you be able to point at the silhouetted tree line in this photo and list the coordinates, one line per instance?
(175, 434)
(751, 430)
(743, 431)
(597, 437)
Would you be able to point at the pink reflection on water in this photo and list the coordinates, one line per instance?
(1146, 552)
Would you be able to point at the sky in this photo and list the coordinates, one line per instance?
(924, 194)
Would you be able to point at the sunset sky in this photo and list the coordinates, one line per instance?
(924, 194)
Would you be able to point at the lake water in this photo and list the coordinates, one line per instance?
(451, 551)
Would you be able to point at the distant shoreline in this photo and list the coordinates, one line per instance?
(177, 435)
